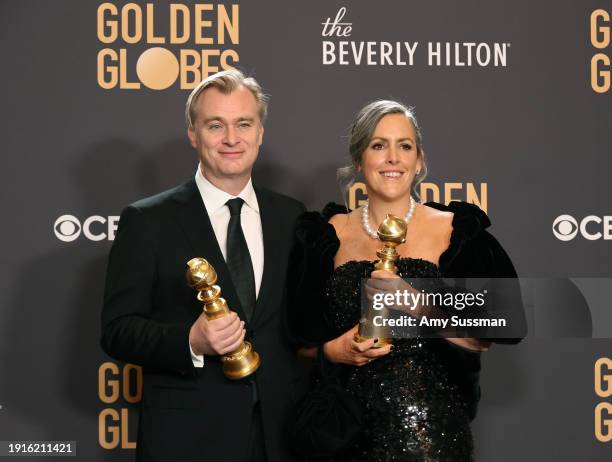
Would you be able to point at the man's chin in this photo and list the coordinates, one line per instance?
(236, 173)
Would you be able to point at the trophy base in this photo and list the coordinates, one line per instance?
(379, 344)
(241, 363)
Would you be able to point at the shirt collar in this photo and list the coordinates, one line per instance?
(214, 198)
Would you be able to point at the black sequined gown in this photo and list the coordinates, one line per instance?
(419, 399)
(414, 410)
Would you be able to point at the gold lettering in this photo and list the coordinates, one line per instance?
(601, 378)
(107, 28)
(105, 429)
(125, 23)
(224, 58)
(175, 9)
(424, 192)
(107, 69)
(123, 82)
(187, 69)
(151, 38)
(431, 192)
(600, 35)
(354, 202)
(448, 191)
(601, 422)
(200, 24)
(207, 69)
(473, 198)
(127, 382)
(125, 441)
(600, 69)
(105, 383)
(225, 25)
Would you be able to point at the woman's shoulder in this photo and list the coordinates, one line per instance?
(434, 221)
(468, 220)
(334, 211)
(315, 229)
(473, 251)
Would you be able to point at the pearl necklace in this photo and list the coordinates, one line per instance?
(365, 217)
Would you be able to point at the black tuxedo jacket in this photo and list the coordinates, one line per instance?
(188, 413)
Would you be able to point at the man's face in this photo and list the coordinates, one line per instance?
(227, 134)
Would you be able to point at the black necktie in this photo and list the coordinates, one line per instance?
(239, 259)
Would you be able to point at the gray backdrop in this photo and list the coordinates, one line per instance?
(534, 131)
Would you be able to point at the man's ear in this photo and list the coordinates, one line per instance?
(261, 132)
(192, 137)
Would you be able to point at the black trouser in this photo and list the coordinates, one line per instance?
(257, 445)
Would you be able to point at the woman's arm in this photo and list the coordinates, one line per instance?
(308, 352)
(345, 350)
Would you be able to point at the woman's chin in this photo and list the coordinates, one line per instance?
(390, 194)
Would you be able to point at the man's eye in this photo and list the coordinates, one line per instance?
(244, 125)
(214, 126)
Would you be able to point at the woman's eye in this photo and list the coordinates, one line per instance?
(406, 147)
(377, 146)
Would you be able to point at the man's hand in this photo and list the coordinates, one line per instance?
(345, 350)
(216, 337)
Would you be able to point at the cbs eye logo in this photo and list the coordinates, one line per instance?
(591, 227)
(565, 227)
(68, 228)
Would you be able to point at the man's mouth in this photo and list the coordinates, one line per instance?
(231, 153)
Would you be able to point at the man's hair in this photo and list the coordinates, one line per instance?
(226, 82)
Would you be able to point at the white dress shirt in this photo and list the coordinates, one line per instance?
(214, 200)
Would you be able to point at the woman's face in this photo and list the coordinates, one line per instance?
(389, 162)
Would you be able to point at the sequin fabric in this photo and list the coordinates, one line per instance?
(414, 411)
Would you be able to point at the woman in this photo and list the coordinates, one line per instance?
(418, 394)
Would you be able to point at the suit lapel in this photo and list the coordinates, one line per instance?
(272, 268)
(195, 223)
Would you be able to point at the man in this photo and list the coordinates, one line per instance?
(190, 411)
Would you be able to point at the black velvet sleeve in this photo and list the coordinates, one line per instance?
(474, 253)
(310, 265)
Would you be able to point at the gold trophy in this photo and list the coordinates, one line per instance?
(391, 232)
(202, 277)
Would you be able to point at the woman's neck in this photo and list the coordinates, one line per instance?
(379, 208)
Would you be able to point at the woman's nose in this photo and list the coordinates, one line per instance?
(392, 155)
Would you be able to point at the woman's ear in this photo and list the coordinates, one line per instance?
(419, 163)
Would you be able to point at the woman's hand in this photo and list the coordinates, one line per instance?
(381, 281)
(475, 345)
(345, 350)
(385, 281)
(383, 274)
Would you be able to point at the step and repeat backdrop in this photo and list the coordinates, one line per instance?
(515, 103)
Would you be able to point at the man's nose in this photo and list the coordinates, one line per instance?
(230, 136)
